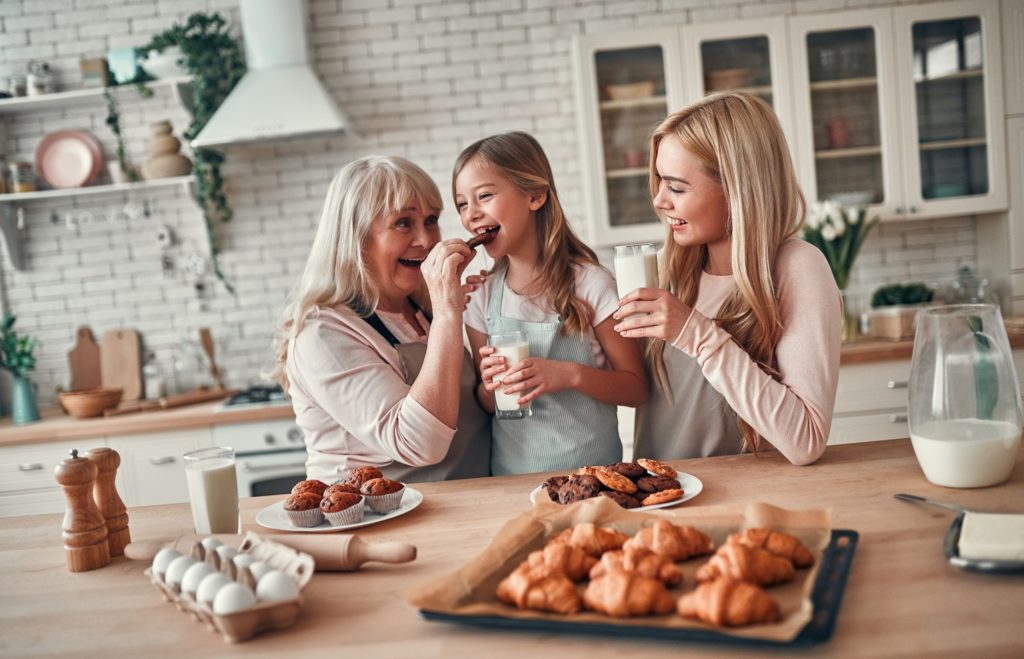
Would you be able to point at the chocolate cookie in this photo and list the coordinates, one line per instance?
(656, 484)
(579, 487)
(552, 486)
(621, 498)
(630, 470)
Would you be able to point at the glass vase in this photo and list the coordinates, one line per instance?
(849, 329)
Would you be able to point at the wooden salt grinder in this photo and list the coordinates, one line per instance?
(85, 529)
(107, 499)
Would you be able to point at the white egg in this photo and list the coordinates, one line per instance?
(258, 568)
(232, 598)
(210, 544)
(243, 560)
(210, 586)
(226, 553)
(194, 575)
(176, 570)
(276, 586)
(162, 559)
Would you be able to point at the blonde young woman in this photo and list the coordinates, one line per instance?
(375, 378)
(745, 332)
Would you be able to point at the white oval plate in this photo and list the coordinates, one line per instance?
(274, 516)
(692, 486)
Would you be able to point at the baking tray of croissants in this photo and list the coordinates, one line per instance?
(745, 574)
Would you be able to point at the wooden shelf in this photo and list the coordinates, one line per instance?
(853, 152)
(649, 101)
(627, 172)
(43, 195)
(952, 144)
(849, 83)
(77, 96)
(760, 90)
(956, 75)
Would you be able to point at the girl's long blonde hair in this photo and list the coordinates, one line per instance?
(519, 157)
(363, 192)
(738, 141)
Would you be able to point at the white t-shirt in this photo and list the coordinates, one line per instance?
(594, 285)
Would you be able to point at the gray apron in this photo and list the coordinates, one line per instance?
(470, 451)
(697, 423)
(567, 429)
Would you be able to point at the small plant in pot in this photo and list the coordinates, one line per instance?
(17, 356)
(894, 309)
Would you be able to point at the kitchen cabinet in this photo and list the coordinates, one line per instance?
(1013, 57)
(152, 470)
(902, 108)
(27, 483)
(1015, 142)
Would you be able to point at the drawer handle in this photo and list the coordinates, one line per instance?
(898, 384)
(250, 468)
(897, 418)
(31, 466)
(167, 459)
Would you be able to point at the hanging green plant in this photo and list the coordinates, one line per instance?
(114, 122)
(214, 60)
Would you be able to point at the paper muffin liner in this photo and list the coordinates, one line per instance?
(351, 515)
(306, 518)
(384, 503)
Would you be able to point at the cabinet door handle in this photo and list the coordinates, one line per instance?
(898, 384)
(30, 466)
(250, 468)
(897, 418)
(167, 459)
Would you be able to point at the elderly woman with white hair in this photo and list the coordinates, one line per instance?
(371, 350)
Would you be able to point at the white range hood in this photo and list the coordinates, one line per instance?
(279, 96)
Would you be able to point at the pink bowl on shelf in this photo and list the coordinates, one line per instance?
(69, 159)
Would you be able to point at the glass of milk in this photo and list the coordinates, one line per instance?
(964, 398)
(514, 347)
(213, 489)
(636, 266)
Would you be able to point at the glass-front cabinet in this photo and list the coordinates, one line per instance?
(625, 87)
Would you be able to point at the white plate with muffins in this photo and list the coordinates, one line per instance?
(275, 517)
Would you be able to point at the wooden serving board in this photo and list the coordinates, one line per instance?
(121, 362)
(84, 361)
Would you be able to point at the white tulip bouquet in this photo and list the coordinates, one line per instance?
(839, 233)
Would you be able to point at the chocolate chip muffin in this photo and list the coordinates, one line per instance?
(552, 486)
(360, 475)
(341, 487)
(382, 494)
(303, 509)
(656, 484)
(630, 470)
(621, 498)
(342, 508)
(579, 487)
(378, 486)
(314, 486)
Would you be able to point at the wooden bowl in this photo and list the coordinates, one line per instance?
(89, 402)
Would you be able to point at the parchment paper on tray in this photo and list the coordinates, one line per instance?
(471, 590)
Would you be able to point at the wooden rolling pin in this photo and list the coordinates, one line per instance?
(335, 553)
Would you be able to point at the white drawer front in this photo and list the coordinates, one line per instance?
(152, 470)
(869, 427)
(30, 466)
(877, 386)
(35, 502)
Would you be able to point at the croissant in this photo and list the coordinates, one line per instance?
(569, 559)
(744, 563)
(593, 539)
(676, 542)
(778, 543)
(541, 588)
(641, 560)
(726, 601)
(623, 594)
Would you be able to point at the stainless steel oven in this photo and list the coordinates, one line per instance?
(270, 455)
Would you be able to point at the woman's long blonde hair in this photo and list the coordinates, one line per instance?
(363, 192)
(738, 141)
(520, 158)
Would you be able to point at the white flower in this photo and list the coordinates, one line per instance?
(840, 228)
(835, 214)
(813, 218)
(827, 232)
(853, 215)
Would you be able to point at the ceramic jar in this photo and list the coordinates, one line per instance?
(164, 160)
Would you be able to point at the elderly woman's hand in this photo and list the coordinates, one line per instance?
(652, 313)
(442, 272)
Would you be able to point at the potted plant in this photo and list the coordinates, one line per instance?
(16, 356)
(894, 310)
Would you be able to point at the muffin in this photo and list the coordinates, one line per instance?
(342, 508)
(360, 475)
(341, 487)
(382, 494)
(303, 509)
(314, 486)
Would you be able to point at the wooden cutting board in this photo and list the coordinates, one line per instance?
(121, 362)
(84, 361)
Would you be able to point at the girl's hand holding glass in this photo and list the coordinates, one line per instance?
(490, 366)
(651, 313)
(539, 376)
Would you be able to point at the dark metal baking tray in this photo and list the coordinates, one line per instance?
(826, 596)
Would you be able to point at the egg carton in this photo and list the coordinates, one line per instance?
(263, 616)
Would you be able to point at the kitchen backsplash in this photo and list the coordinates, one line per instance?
(416, 78)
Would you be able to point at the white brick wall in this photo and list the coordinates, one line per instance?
(419, 78)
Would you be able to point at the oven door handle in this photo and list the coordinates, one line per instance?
(250, 468)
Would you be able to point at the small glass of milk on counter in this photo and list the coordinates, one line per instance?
(514, 347)
(964, 400)
(636, 266)
(213, 490)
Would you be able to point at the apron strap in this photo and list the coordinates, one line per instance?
(377, 324)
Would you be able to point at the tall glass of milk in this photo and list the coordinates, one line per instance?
(636, 266)
(964, 399)
(514, 347)
(213, 489)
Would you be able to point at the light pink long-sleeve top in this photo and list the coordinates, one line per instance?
(349, 395)
(794, 414)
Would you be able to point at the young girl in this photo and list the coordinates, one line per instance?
(548, 284)
(746, 337)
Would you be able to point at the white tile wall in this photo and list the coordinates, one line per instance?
(419, 78)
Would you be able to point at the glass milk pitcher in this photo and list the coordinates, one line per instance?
(965, 410)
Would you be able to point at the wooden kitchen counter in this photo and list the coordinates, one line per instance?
(866, 349)
(902, 597)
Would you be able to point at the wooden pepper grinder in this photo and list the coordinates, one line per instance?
(85, 530)
(107, 499)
